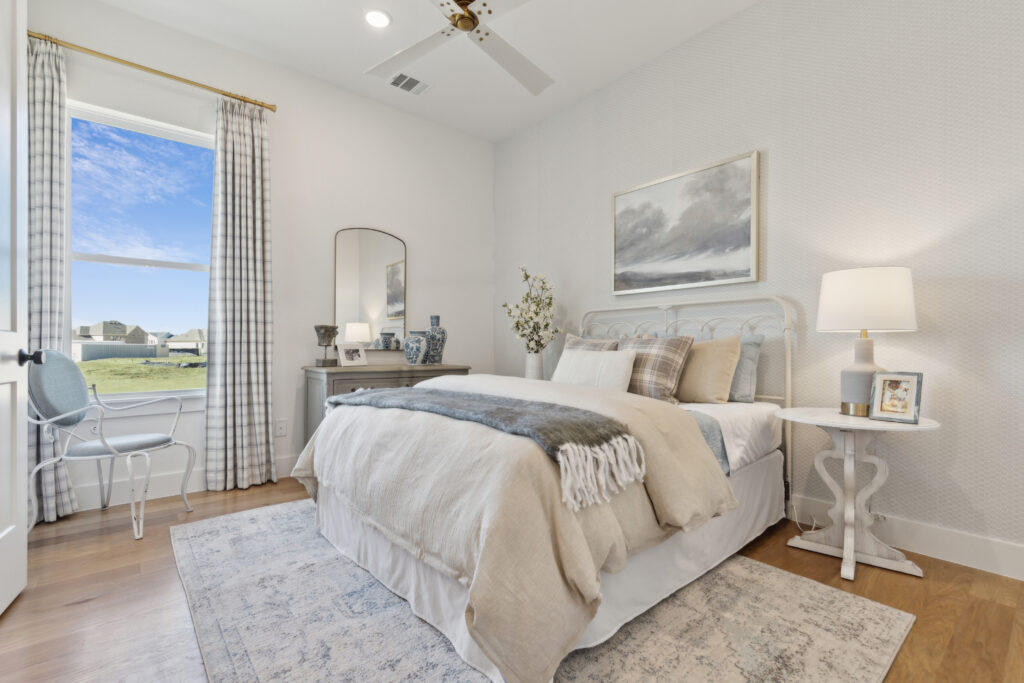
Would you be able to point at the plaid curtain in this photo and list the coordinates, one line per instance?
(239, 433)
(47, 133)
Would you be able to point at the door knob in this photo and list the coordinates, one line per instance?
(39, 357)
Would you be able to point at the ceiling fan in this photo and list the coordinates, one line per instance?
(462, 18)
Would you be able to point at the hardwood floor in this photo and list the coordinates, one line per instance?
(102, 606)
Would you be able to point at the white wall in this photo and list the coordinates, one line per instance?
(337, 160)
(890, 133)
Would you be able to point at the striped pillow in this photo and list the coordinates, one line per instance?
(658, 365)
(574, 342)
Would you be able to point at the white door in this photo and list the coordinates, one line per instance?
(13, 300)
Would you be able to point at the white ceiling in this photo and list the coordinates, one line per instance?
(582, 44)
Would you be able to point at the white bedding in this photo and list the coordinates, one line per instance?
(749, 430)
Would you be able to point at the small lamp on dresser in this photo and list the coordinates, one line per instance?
(877, 299)
(358, 333)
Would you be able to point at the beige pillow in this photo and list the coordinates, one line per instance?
(658, 364)
(707, 374)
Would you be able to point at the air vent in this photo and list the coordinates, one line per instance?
(409, 84)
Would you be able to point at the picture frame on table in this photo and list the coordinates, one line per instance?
(351, 354)
(896, 397)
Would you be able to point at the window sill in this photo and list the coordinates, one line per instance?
(192, 401)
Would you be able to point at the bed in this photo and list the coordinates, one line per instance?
(755, 444)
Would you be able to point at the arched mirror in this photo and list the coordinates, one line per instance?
(369, 285)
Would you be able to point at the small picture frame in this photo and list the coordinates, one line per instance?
(351, 354)
(896, 397)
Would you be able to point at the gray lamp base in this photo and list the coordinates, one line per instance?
(855, 380)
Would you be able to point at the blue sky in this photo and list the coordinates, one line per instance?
(145, 197)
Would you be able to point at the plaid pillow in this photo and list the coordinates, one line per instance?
(658, 365)
(574, 342)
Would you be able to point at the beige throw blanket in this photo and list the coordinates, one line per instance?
(484, 507)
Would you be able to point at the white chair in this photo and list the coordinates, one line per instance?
(58, 395)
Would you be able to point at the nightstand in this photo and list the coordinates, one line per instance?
(849, 537)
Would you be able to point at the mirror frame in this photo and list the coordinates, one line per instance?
(405, 287)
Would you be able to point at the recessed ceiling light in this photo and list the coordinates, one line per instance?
(378, 18)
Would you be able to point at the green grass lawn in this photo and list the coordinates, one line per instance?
(121, 375)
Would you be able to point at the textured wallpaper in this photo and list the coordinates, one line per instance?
(890, 133)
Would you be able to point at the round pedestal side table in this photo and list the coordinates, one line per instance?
(849, 537)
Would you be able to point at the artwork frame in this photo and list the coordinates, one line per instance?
(352, 354)
(394, 285)
(727, 247)
(896, 397)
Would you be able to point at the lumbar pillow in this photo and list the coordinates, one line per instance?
(574, 342)
(744, 382)
(659, 362)
(707, 376)
(602, 369)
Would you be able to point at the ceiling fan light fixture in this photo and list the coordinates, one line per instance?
(377, 18)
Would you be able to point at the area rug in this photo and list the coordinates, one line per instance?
(271, 599)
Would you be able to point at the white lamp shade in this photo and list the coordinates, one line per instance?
(879, 299)
(357, 332)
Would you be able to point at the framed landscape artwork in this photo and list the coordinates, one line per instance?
(395, 273)
(693, 229)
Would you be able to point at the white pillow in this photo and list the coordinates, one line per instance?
(601, 369)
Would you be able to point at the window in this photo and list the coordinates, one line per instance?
(141, 211)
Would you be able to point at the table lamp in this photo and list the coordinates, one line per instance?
(357, 332)
(878, 299)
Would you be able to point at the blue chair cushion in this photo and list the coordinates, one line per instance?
(121, 444)
(57, 387)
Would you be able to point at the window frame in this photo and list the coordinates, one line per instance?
(192, 399)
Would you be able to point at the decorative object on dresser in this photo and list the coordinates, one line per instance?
(878, 299)
(849, 537)
(437, 337)
(533, 320)
(415, 346)
(352, 354)
(323, 382)
(896, 397)
(325, 335)
(691, 229)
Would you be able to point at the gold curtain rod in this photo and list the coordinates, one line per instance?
(157, 72)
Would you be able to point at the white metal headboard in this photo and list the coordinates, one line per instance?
(769, 315)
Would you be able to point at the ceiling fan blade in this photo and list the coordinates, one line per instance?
(510, 59)
(398, 61)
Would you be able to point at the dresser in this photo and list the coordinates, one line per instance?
(324, 382)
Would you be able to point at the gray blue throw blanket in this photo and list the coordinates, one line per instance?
(596, 455)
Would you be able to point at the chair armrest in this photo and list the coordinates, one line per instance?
(138, 404)
(55, 418)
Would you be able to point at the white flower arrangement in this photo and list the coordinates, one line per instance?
(533, 317)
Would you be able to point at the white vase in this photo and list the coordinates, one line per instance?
(534, 366)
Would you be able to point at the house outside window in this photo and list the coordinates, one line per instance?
(141, 196)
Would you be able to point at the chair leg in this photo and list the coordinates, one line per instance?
(138, 520)
(188, 473)
(33, 501)
(105, 493)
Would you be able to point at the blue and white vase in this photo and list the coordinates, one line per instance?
(415, 347)
(437, 336)
(387, 341)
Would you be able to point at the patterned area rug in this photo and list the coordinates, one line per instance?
(273, 600)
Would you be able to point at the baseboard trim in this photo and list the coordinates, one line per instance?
(971, 550)
(161, 485)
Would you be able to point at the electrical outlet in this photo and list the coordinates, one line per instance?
(280, 427)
